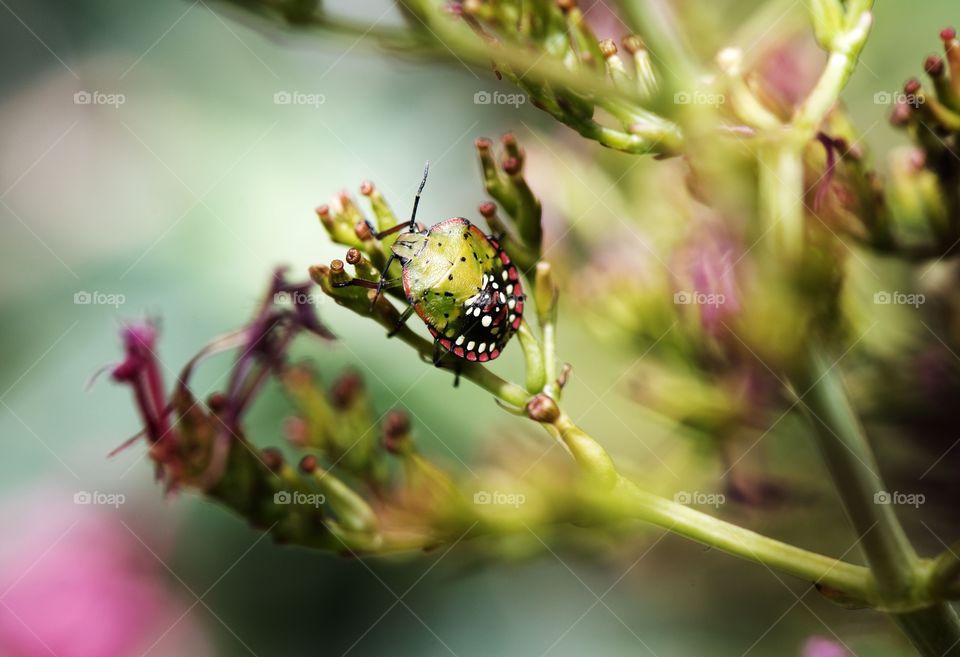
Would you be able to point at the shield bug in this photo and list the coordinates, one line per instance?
(459, 281)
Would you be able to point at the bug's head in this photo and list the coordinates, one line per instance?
(408, 245)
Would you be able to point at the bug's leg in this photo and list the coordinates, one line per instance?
(370, 285)
(383, 279)
(438, 353)
(400, 322)
(457, 368)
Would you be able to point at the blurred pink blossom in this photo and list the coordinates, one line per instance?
(821, 646)
(74, 582)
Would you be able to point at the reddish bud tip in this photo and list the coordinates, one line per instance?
(308, 464)
(482, 143)
(336, 266)
(900, 116)
(487, 209)
(933, 65)
(608, 48)
(509, 139)
(566, 5)
(318, 272)
(323, 211)
(296, 431)
(354, 256)
(511, 166)
(366, 187)
(396, 429)
(217, 402)
(362, 231)
(948, 34)
(346, 388)
(542, 408)
(911, 86)
(272, 458)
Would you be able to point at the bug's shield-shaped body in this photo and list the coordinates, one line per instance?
(463, 286)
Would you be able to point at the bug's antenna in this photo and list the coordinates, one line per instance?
(416, 199)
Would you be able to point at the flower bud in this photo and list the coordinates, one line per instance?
(542, 408)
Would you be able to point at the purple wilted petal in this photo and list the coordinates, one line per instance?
(141, 369)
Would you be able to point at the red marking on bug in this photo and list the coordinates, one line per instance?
(516, 323)
(512, 273)
(504, 258)
(445, 343)
(484, 358)
(471, 356)
(494, 353)
(519, 307)
(458, 351)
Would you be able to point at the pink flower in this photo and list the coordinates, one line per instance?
(74, 582)
(821, 646)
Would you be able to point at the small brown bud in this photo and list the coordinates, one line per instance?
(296, 431)
(608, 48)
(911, 87)
(396, 431)
(217, 402)
(487, 209)
(318, 272)
(482, 143)
(336, 266)
(272, 458)
(933, 65)
(308, 464)
(542, 408)
(511, 166)
(362, 231)
(345, 389)
(354, 256)
(948, 34)
(900, 116)
(366, 187)
(567, 5)
(633, 44)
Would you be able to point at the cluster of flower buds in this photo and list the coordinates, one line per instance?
(559, 29)
(925, 177)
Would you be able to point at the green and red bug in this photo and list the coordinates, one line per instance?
(459, 280)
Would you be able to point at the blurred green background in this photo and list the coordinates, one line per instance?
(184, 197)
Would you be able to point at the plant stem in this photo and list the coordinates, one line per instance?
(933, 628)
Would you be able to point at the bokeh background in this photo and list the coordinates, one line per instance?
(174, 193)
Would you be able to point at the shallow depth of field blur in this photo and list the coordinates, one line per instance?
(177, 190)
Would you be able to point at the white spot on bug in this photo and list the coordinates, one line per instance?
(509, 289)
(512, 317)
(486, 321)
(482, 348)
(470, 345)
(503, 299)
(504, 274)
(460, 341)
(496, 286)
(511, 304)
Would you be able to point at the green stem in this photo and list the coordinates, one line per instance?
(902, 584)
(618, 497)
